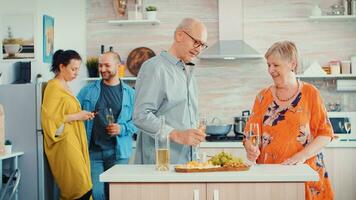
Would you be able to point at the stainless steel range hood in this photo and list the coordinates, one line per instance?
(230, 50)
(231, 44)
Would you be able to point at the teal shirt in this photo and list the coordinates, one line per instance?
(164, 87)
(88, 97)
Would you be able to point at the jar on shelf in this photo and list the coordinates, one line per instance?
(335, 67)
(346, 67)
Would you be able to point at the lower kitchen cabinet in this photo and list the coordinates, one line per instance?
(206, 191)
(265, 191)
(158, 191)
(341, 166)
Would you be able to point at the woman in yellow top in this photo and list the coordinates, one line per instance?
(65, 139)
(293, 121)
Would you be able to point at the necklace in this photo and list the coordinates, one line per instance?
(289, 98)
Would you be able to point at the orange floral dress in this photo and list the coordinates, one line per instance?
(287, 130)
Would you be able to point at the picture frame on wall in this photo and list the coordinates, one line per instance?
(17, 37)
(48, 38)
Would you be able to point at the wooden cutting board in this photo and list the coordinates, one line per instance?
(218, 169)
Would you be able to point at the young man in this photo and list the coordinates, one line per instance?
(109, 140)
(166, 86)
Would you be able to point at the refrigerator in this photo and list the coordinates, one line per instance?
(22, 108)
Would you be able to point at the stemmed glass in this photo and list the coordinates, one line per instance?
(254, 135)
(109, 116)
(347, 126)
(201, 128)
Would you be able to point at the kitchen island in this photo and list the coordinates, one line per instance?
(136, 182)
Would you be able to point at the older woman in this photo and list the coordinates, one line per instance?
(65, 139)
(293, 121)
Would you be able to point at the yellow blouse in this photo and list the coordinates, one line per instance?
(67, 153)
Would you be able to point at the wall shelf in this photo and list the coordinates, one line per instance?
(286, 19)
(127, 78)
(336, 18)
(132, 22)
(338, 76)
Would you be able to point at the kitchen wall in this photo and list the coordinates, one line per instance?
(70, 28)
(228, 87)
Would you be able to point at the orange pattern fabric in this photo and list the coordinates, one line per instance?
(287, 130)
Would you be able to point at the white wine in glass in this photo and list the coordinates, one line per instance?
(254, 136)
(162, 158)
(347, 126)
(110, 116)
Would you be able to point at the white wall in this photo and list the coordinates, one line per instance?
(69, 33)
(10, 7)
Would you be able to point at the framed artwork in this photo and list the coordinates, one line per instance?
(48, 38)
(17, 37)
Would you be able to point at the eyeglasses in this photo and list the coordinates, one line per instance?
(197, 43)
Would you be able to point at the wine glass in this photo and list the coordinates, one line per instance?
(201, 128)
(109, 116)
(347, 126)
(254, 135)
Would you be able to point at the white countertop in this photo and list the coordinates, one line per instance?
(257, 173)
(333, 144)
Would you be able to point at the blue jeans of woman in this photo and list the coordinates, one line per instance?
(101, 161)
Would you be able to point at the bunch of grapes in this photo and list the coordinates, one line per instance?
(223, 157)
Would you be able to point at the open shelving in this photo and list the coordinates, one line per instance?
(328, 76)
(127, 78)
(336, 18)
(132, 22)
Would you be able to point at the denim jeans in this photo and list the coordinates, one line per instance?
(101, 161)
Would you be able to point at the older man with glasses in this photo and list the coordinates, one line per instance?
(166, 86)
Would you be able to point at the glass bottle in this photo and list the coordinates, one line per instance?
(162, 147)
(139, 9)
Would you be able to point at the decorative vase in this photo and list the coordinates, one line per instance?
(93, 72)
(151, 15)
(8, 149)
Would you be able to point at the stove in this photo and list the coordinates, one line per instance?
(228, 138)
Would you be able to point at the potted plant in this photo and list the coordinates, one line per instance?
(12, 45)
(151, 12)
(8, 146)
(92, 66)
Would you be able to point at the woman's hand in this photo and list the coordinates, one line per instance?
(80, 116)
(297, 158)
(85, 115)
(252, 151)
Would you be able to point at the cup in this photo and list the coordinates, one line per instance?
(12, 49)
(346, 67)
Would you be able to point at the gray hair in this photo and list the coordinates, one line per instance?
(285, 50)
(187, 24)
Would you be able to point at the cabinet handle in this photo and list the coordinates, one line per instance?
(196, 195)
(216, 194)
